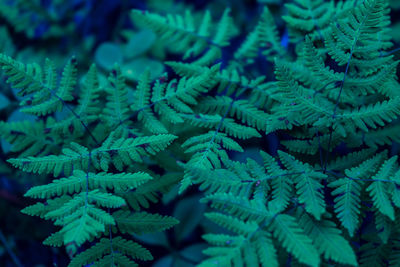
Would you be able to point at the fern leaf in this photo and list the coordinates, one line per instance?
(25, 78)
(82, 220)
(80, 180)
(378, 190)
(241, 109)
(373, 115)
(384, 226)
(286, 229)
(81, 226)
(347, 203)
(149, 192)
(28, 138)
(281, 187)
(239, 207)
(182, 31)
(266, 250)
(362, 35)
(308, 17)
(308, 186)
(142, 222)
(328, 240)
(265, 36)
(76, 156)
(113, 247)
(348, 193)
(28, 79)
(125, 151)
(116, 110)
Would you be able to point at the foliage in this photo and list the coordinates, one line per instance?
(119, 149)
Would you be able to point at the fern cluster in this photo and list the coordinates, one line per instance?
(113, 147)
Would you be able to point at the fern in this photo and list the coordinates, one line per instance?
(85, 202)
(325, 105)
(265, 36)
(31, 79)
(309, 17)
(195, 38)
(172, 100)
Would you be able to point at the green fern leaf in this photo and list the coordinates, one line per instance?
(378, 190)
(113, 247)
(348, 193)
(80, 180)
(327, 240)
(308, 186)
(286, 229)
(142, 222)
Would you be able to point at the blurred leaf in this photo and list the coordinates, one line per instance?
(189, 212)
(15, 116)
(6, 44)
(4, 102)
(194, 252)
(107, 54)
(155, 239)
(139, 43)
(395, 32)
(269, 1)
(171, 195)
(395, 4)
(133, 69)
(163, 262)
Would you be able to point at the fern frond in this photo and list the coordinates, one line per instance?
(228, 125)
(242, 208)
(41, 209)
(378, 190)
(87, 111)
(361, 36)
(351, 159)
(142, 222)
(195, 142)
(81, 220)
(28, 79)
(25, 78)
(308, 17)
(292, 237)
(74, 157)
(125, 151)
(243, 249)
(115, 246)
(240, 109)
(384, 226)
(299, 107)
(265, 36)
(79, 180)
(348, 193)
(281, 186)
(327, 240)
(382, 136)
(28, 138)
(372, 115)
(308, 185)
(149, 192)
(171, 99)
(117, 109)
(184, 33)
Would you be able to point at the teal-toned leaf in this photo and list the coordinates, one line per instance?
(107, 54)
(133, 69)
(189, 212)
(154, 239)
(4, 102)
(139, 43)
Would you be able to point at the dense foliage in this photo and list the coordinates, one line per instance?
(220, 133)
